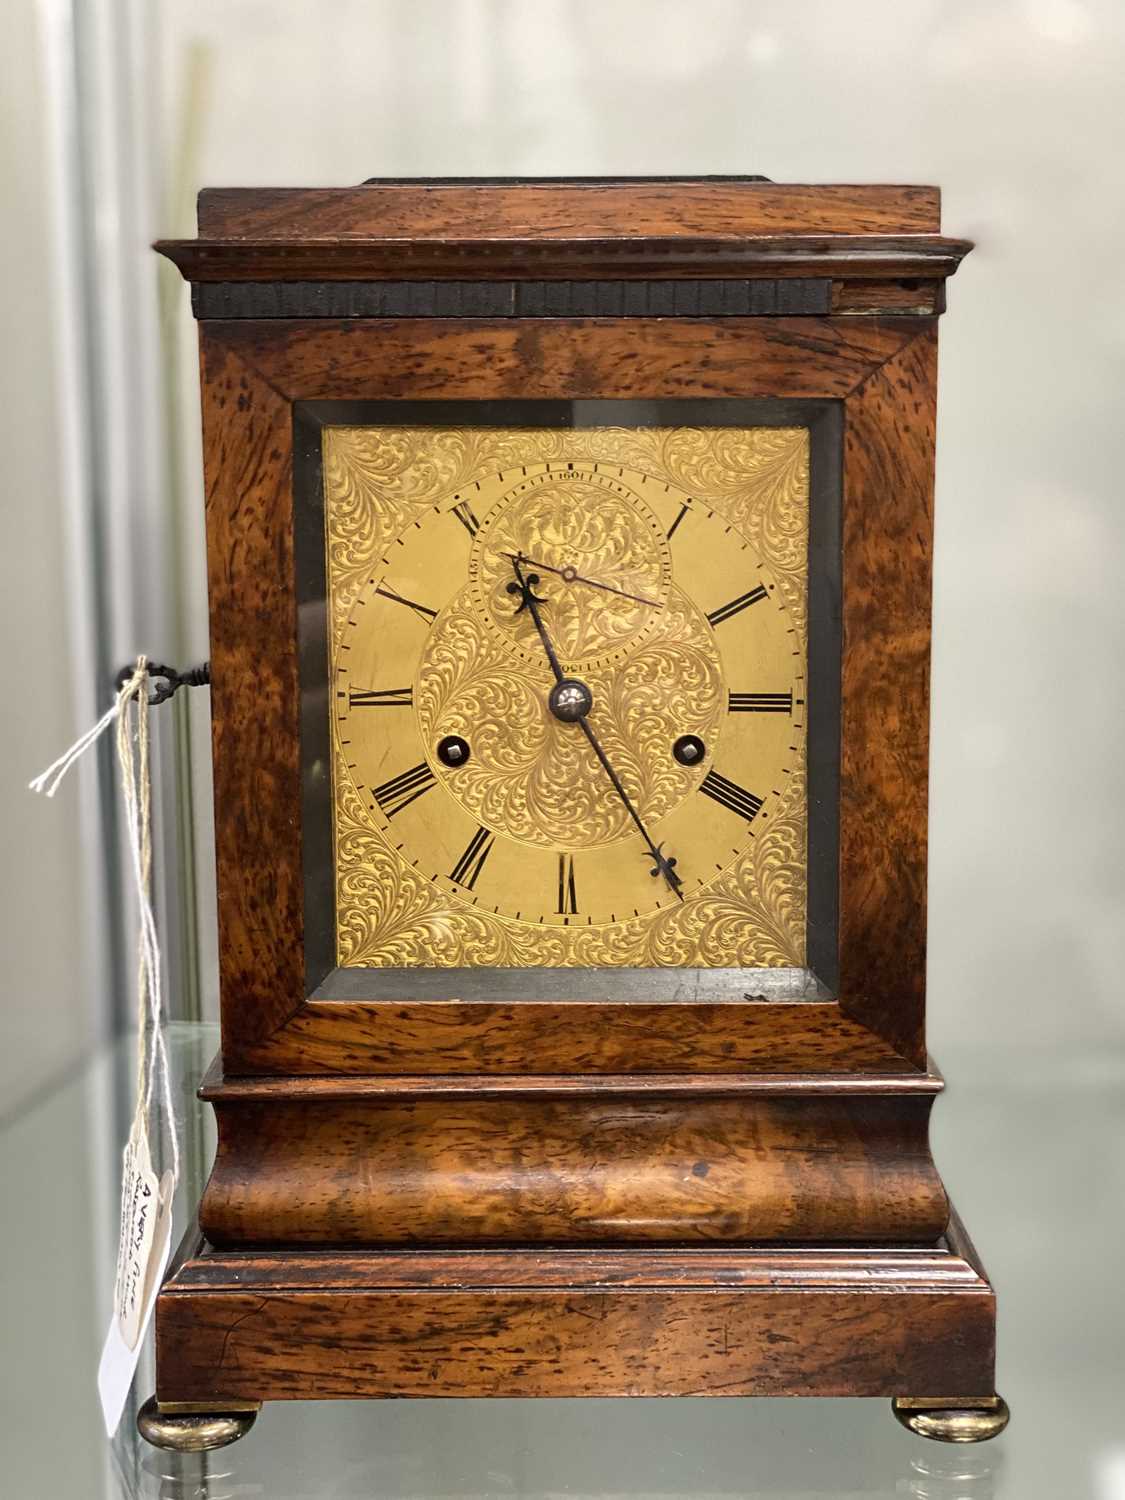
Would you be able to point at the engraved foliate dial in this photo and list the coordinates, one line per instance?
(568, 689)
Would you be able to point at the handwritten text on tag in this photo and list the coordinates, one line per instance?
(140, 1205)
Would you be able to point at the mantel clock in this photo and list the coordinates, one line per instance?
(569, 554)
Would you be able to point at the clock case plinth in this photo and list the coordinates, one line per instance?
(241, 1327)
(532, 1196)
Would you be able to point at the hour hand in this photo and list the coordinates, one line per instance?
(524, 589)
(530, 600)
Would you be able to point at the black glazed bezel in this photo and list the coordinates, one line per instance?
(824, 420)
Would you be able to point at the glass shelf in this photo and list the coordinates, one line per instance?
(1034, 1160)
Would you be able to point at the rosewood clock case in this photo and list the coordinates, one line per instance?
(573, 1182)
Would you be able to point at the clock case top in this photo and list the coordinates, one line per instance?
(823, 300)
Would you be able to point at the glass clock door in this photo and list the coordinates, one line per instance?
(567, 687)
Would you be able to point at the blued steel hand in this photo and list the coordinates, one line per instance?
(529, 600)
(662, 865)
(568, 575)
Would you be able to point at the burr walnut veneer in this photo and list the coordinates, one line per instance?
(492, 1178)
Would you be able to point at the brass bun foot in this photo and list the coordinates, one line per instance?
(951, 1421)
(183, 1429)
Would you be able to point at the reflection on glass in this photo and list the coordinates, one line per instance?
(951, 1473)
(605, 1450)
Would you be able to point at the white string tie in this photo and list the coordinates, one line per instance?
(130, 713)
(48, 781)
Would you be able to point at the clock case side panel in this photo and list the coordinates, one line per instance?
(247, 468)
(887, 540)
(254, 374)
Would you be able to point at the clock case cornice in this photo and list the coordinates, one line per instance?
(456, 248)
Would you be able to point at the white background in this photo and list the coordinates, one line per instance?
(1014, 108)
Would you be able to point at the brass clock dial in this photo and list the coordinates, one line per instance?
(568, 687)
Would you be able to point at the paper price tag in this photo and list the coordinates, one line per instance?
(142, 1256)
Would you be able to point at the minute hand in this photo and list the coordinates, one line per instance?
(663, 865)
(570, 576)
(525, 588)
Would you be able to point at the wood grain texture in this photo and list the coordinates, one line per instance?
(887, 569)
(247, 461)
(296, 1346)
(874, 257)
(563, 359)
(534, 1168)
(253, 372)
(379, 1037)
(286, 1325)
(215, 1086)
(924, 298)
(206, 1268)
(561, 209)
(579, 230)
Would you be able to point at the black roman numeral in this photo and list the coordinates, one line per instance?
(383, 698)
(725, 611)
(729, 794)
(404, 789)
(761, 703)
(469, 866)
(464, 513)
(672, 529)
(568, 899)
(419, 609)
